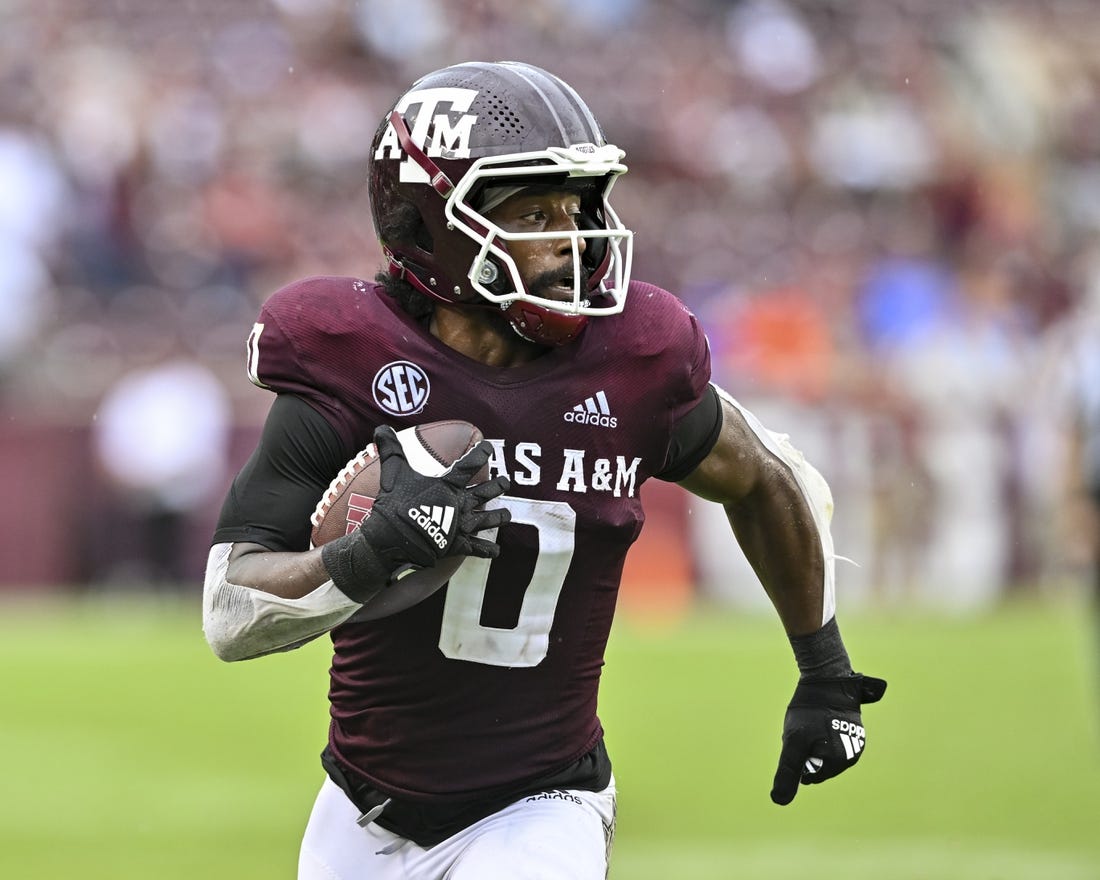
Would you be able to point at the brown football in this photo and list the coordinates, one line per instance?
(430, 448)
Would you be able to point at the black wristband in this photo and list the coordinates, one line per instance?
(821, 654)
(354, 567)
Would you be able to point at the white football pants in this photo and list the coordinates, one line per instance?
(565, 835)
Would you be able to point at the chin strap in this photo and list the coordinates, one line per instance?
(394, 266)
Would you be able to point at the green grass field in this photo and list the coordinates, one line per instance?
(129, 751)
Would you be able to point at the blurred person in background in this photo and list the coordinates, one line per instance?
(34, 191)
(959, 368)
(161, 435)
(464, 740)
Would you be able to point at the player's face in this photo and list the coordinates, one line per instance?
(546, 266)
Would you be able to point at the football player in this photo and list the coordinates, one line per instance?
(464, 740)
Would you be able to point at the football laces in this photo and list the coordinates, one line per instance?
(340, 482)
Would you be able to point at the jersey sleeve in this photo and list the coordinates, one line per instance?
(301, 342)
(685, 363)
(271, 499)
(696, 350)
(693, 437)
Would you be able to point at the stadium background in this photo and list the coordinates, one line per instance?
(885, 213)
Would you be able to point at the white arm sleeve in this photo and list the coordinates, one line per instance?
(241, 623)
(814, 489)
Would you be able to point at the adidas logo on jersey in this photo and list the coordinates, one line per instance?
(594, 411)
(852, 737)
(436, 521)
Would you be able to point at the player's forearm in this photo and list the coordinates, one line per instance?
(776, 531)
(289, 575)
(242, 621)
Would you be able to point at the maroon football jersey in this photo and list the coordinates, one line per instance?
(494, 678)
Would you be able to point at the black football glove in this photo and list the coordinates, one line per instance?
(823, 732)
(416, 520)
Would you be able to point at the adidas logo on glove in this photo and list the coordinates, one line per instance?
(852, 736)
(436, 521)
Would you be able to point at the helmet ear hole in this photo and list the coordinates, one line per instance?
(422, 238)
(403, 224)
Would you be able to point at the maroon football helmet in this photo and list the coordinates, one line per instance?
(467, 136)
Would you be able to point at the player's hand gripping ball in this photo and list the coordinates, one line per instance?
(426, 485)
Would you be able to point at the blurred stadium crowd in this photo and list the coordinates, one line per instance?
(886, 212)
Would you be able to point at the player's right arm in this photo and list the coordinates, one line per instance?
(259, 597)
(265, 590)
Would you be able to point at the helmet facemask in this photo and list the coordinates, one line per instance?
(601, 270)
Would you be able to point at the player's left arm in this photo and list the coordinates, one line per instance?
(779, 507)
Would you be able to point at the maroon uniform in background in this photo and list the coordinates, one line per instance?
(494, 678)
